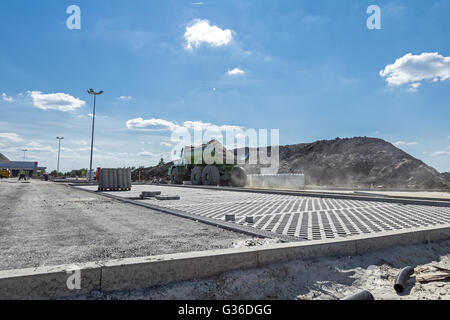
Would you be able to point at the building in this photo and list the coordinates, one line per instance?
(30, 168)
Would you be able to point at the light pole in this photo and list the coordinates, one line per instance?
(59, 152)
(24, 151)
(91, 91)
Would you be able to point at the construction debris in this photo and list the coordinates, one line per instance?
(249, 219)
(230, 217)
(362, 295)
(149, 194)
(443, 275)
(254, 242)
(402, 279)
(164, 198)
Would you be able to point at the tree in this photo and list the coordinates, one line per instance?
(161, 162)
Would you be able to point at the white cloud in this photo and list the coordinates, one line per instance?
(125, 98)
(403, 143)
(38, 147)
(55, 101)
(200, 31)
(164, 125)
(235, 71)
(90, 115)
(199, 125)
(120, 154)
(413, 69)
(148, 154)
(414, 86)
(81, 143)
(151, 125)
(441, 153)
(87, 149)
(165, 144)
(11, 137)
(6, 98)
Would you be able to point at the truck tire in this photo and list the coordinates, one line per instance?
(211, 176)
(238, 177)
(175, 178)
(196, 176)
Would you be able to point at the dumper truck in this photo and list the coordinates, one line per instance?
(209, 164)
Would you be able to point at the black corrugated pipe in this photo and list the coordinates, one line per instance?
(402, 279)
(363, 295)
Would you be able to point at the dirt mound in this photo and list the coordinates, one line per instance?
(3, 158)
(446, 176)
(352, 163)
(357, 163)
(152, 173)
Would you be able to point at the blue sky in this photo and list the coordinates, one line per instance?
(308, 68)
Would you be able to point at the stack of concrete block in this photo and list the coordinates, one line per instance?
(276, 181)
(114, 179)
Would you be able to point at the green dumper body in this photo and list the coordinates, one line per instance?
(210, 164)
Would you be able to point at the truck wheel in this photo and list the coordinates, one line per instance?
(211, 176)
(196, 176)
(238, 177)
(175, 178)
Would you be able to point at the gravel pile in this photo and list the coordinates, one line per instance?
(3, 158)
(157, 173)
(358, 163)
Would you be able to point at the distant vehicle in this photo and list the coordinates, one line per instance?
(200, 171)
(4, 173)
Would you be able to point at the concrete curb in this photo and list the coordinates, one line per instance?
(144, 272)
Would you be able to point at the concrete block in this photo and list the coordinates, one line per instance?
(398, 238)
(114, 178)
(141, 273)
(276, 181)
(47, 282)
(388, 239)
(165, 198)
(230, 217)
(304, 250)
(150, 194)
(437, 234)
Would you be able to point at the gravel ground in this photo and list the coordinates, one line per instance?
(321, 279)
(44, 223)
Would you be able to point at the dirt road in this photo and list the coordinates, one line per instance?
(44, 223)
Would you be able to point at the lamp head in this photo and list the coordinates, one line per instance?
(91, 91)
